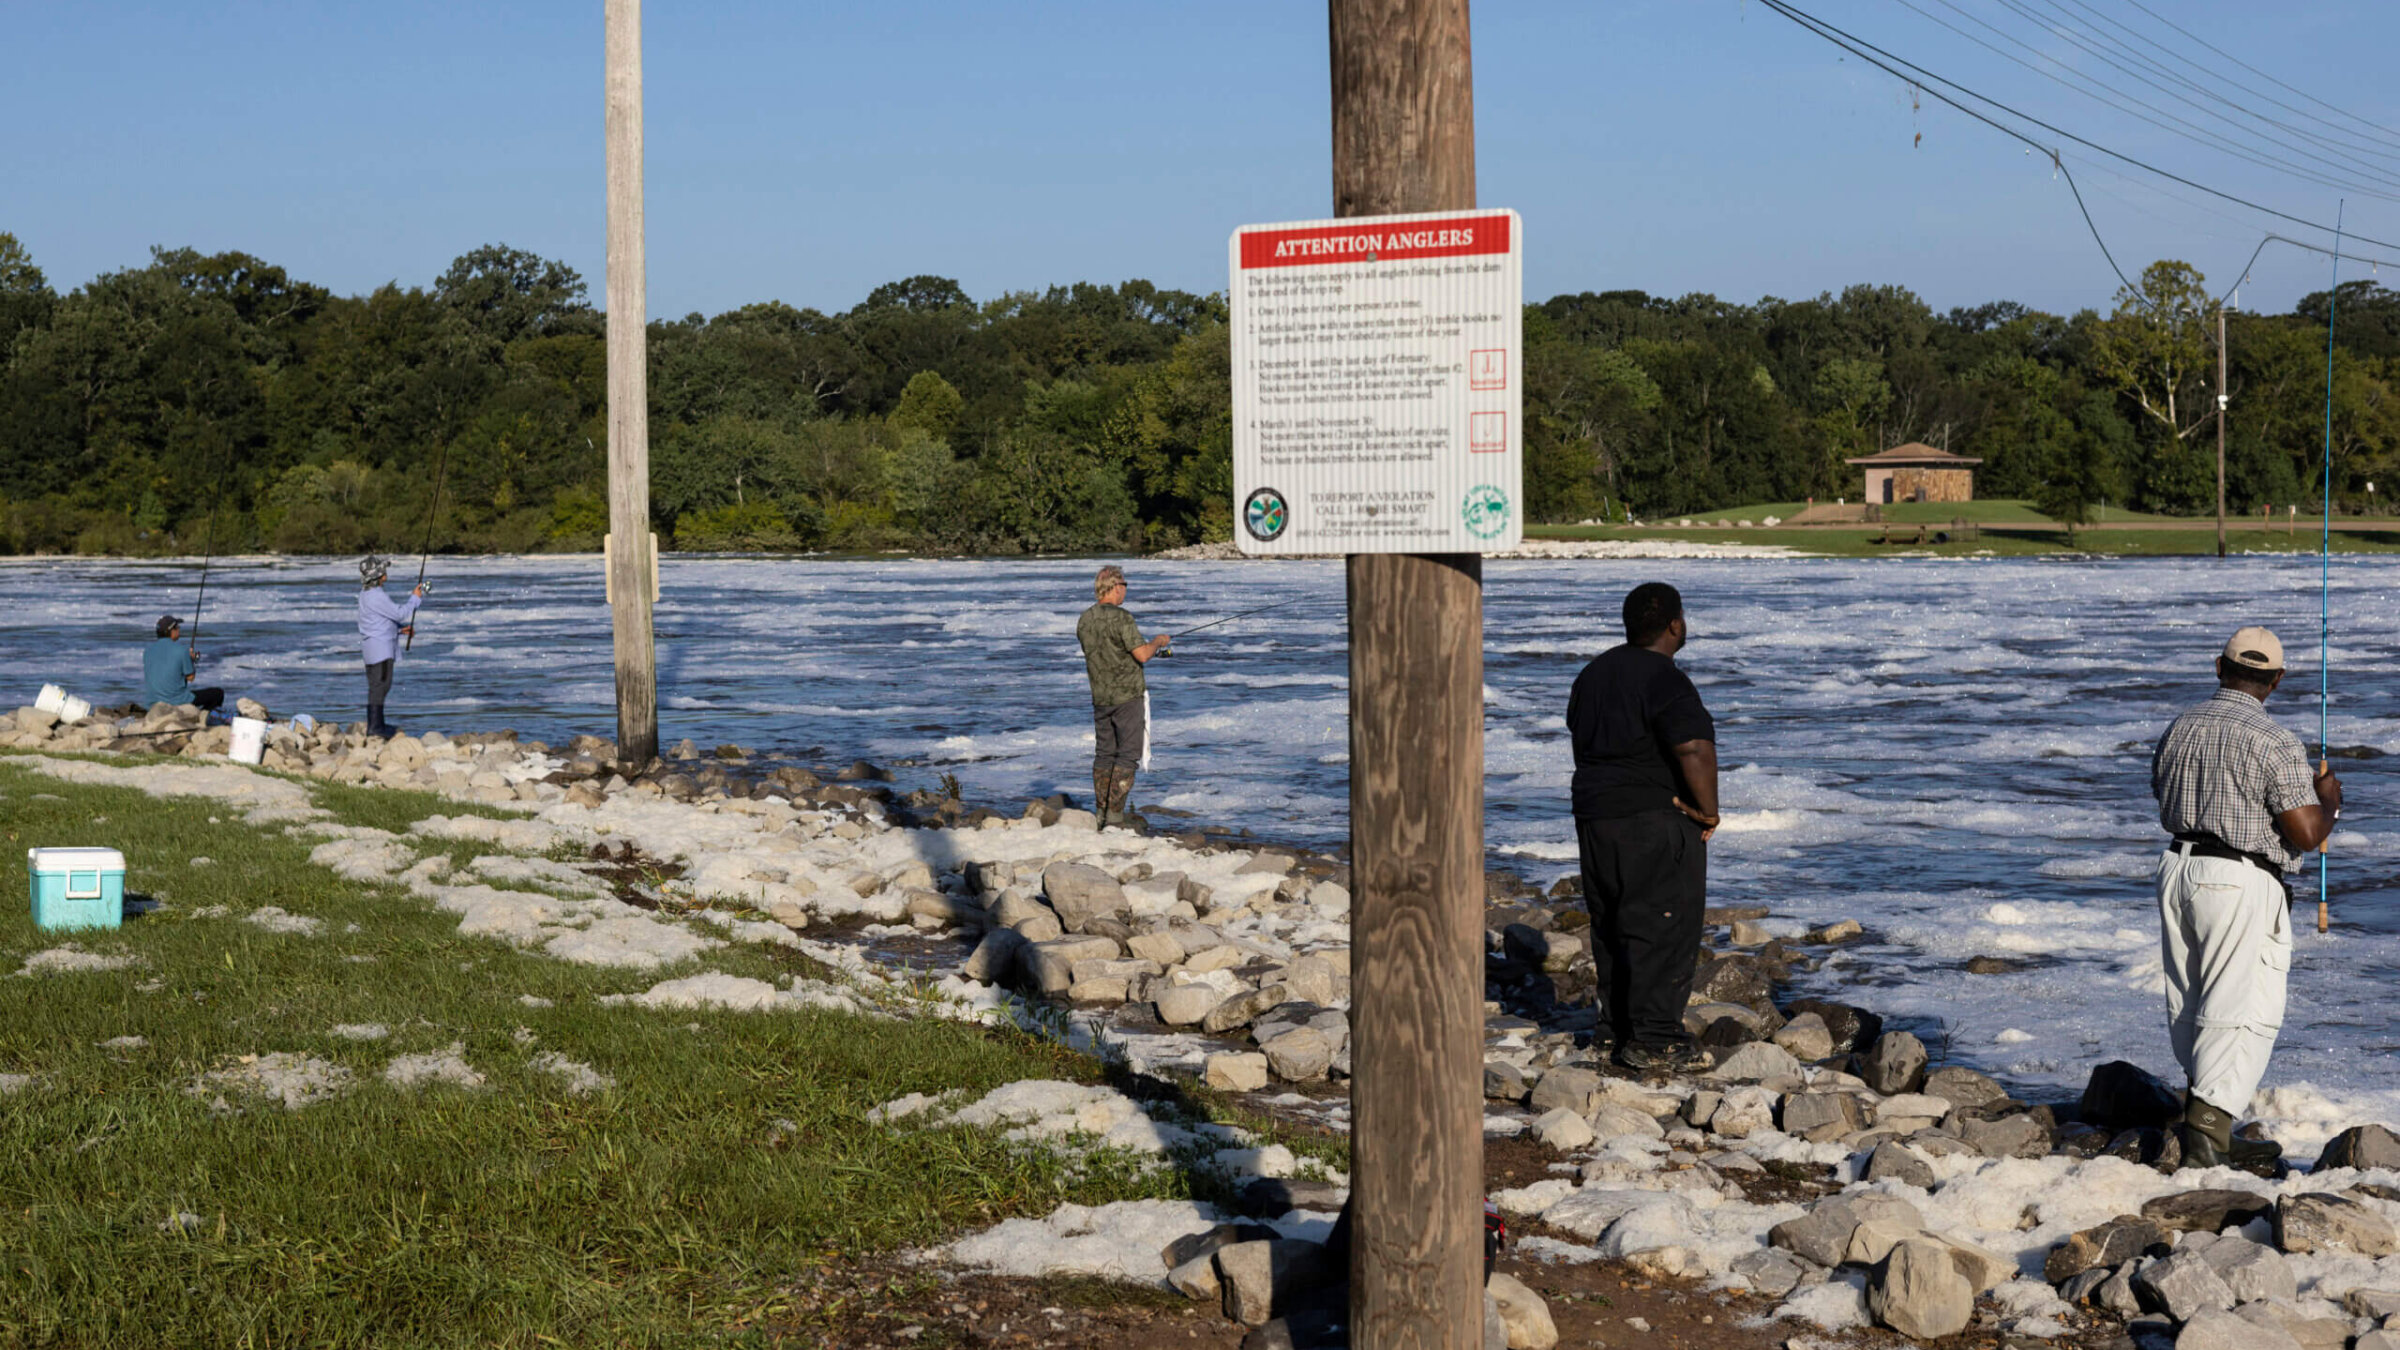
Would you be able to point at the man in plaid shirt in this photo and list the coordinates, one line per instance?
(2234, 789)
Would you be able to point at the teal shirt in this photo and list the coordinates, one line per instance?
(166, 672)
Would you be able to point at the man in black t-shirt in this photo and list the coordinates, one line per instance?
(1645, 805)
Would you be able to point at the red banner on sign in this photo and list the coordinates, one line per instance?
(1382, 241)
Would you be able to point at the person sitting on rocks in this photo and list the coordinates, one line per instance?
(168, 668)
(1645, 799)
(2234, 789)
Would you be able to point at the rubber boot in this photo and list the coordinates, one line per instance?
(1103, 794)
(1122, 786)
(2206, 1135)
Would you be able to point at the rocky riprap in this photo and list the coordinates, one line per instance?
(1825, 1161)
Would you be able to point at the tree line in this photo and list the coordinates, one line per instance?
(213, 401)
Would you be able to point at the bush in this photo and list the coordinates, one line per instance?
(756, 526)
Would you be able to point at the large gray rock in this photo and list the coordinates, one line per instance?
(1261, 1279)
(2124, 1096)
(1613, 1121)
(2102, 1246)
(1918, 1291)
(2206, 1211)
(1235, 1071)
(1965, 1088)
(2215, 1330)
(2376, 1303)
(1503, 1081)
(1241, 1009)
(1524, 1314)
(1051, 965)
(1183, 1005)
(1301, 1055)
(1895, 1161)
(1753, 1062)
(2377, 1340)
(2017, 1136)
(1196, 1279)
(1822, 1235)
(1822, 1116)
(2182, 1286)
(2361, 1146)
(1771, 1271)
(1081, 892)
(1031, 919)
(2252, 1271)
(2312, 1333)
(1578, 1090)
(1314, 979)
(995, 958)
(1894, 1064)
(1745, 1111)
(1561, 1129)
(1806, 1037)
(2316, 1223)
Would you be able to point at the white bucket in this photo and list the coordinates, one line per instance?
(249, 741)
(73, 709)
(51, 699)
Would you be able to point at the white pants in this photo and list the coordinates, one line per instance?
(2226, 936)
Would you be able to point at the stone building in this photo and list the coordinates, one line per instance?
(1917, 472)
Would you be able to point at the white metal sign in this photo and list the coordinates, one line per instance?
(1378, 384)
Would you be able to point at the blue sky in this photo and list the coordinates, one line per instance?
(809, 152)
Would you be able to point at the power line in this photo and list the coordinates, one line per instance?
(2386, 149)
(2372, 126)
(2084, 42)
(2171, 123)
(1924, 78)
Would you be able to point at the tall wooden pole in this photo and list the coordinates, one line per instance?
(2220, 430)
(1404, 140)
(630, 563)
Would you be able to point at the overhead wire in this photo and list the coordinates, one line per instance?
(2280, 84)
(2172, 123)
(2079, 39)
(2172, 70)
(1924, 79)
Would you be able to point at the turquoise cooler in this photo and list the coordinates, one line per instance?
(76, 887)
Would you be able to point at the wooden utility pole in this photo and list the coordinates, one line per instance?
(1404, 141)
(631, 564)
(2220, 430)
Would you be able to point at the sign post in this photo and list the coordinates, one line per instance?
(1376, 400)
(632, 569)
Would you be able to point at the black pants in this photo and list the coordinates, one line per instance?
(1645, 880)
(379, 684)
(1117, 735)
(208, 700)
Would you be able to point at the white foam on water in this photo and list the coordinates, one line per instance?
(1910, 743)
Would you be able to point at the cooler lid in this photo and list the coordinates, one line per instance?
(74, 859)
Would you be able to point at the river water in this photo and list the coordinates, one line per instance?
(1953, 752)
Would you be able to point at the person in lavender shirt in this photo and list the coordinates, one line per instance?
(382, 622)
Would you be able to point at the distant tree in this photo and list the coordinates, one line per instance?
(930, 405)
(507, 293)
(25, 296)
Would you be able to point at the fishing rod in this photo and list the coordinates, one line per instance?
(441, 458)
(2325, 580)
(1227, 619)
(208, 545)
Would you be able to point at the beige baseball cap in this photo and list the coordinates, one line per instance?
(2255, 648)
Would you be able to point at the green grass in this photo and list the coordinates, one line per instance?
(669, 1210)
(1999, 527)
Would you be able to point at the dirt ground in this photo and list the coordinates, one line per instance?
(892, 1305)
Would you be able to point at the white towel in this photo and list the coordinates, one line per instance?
(1145, 731)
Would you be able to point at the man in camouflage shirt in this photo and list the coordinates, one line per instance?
(1113, 656)
(2235, 792)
